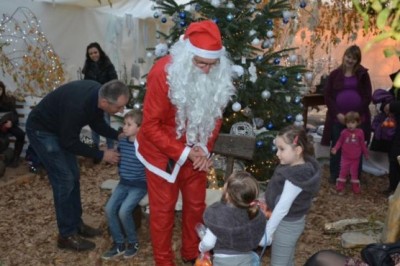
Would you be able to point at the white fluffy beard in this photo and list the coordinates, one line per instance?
(198, 97)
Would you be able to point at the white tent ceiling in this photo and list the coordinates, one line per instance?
(135, 8)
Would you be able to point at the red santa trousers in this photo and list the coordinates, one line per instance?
(162, 199)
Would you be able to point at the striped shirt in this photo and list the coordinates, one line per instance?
(131, 170)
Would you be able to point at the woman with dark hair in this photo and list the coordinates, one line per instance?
(98, 67)
(9, 125)
(348, 88)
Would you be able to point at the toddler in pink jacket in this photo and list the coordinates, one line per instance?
(352, 143)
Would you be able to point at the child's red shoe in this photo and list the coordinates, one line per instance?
(355, 185)
(340, 184)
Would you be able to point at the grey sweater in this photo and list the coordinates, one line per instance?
(307, 176)
(235, 232)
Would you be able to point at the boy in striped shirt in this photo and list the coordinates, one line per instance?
(130, 190)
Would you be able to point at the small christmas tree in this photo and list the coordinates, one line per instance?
(268, 79)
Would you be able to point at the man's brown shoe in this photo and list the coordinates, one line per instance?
(75, 242)
(88, 231)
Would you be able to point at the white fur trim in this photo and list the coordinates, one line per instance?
(161, 173)
(204, 53)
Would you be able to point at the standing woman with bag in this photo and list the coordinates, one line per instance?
(10, 127)
(98, 67)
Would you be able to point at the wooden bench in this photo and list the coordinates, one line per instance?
(234, 147)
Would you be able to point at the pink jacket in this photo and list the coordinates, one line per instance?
(352, 143)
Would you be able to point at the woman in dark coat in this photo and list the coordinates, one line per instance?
(9, 126)
(348, 88)
(98, 67)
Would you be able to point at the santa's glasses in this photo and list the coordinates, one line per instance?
(202, 64)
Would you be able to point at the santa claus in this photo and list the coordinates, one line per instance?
(187, 92)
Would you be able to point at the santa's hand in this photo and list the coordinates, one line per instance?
(111, 156)
(196, 152)
(201, 163)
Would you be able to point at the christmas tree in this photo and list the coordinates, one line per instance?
(269, 79)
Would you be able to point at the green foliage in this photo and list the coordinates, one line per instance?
(386, 13)
(269, 89)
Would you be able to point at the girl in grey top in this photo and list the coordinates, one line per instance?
(290, 192)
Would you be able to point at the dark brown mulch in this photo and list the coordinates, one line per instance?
(28, 228)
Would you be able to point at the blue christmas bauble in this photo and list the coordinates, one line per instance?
(269, 126)
(259, 58)
(285, 20)
(156, 15)
(270, 22)
(297, 100)
(289, 118)
(182, 15)
(229, 17)
(182, 23)
(163, 19)
(298, 77)
(283, 79)
(277, 61)
(216, 20)
(197, 7)
(303, 4)
(259, 144)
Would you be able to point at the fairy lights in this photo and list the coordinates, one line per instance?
(27, 56)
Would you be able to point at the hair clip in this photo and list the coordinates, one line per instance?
(296, 140)
(254, 203)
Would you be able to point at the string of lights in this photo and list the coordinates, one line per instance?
(27, 56)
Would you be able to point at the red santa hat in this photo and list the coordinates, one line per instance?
(204, 39)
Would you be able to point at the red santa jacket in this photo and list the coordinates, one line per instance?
(156, 142)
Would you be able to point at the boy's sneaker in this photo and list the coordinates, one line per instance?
(131, 250)
(115, 251)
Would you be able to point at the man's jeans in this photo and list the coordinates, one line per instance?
(119, 209)
(63, 172)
